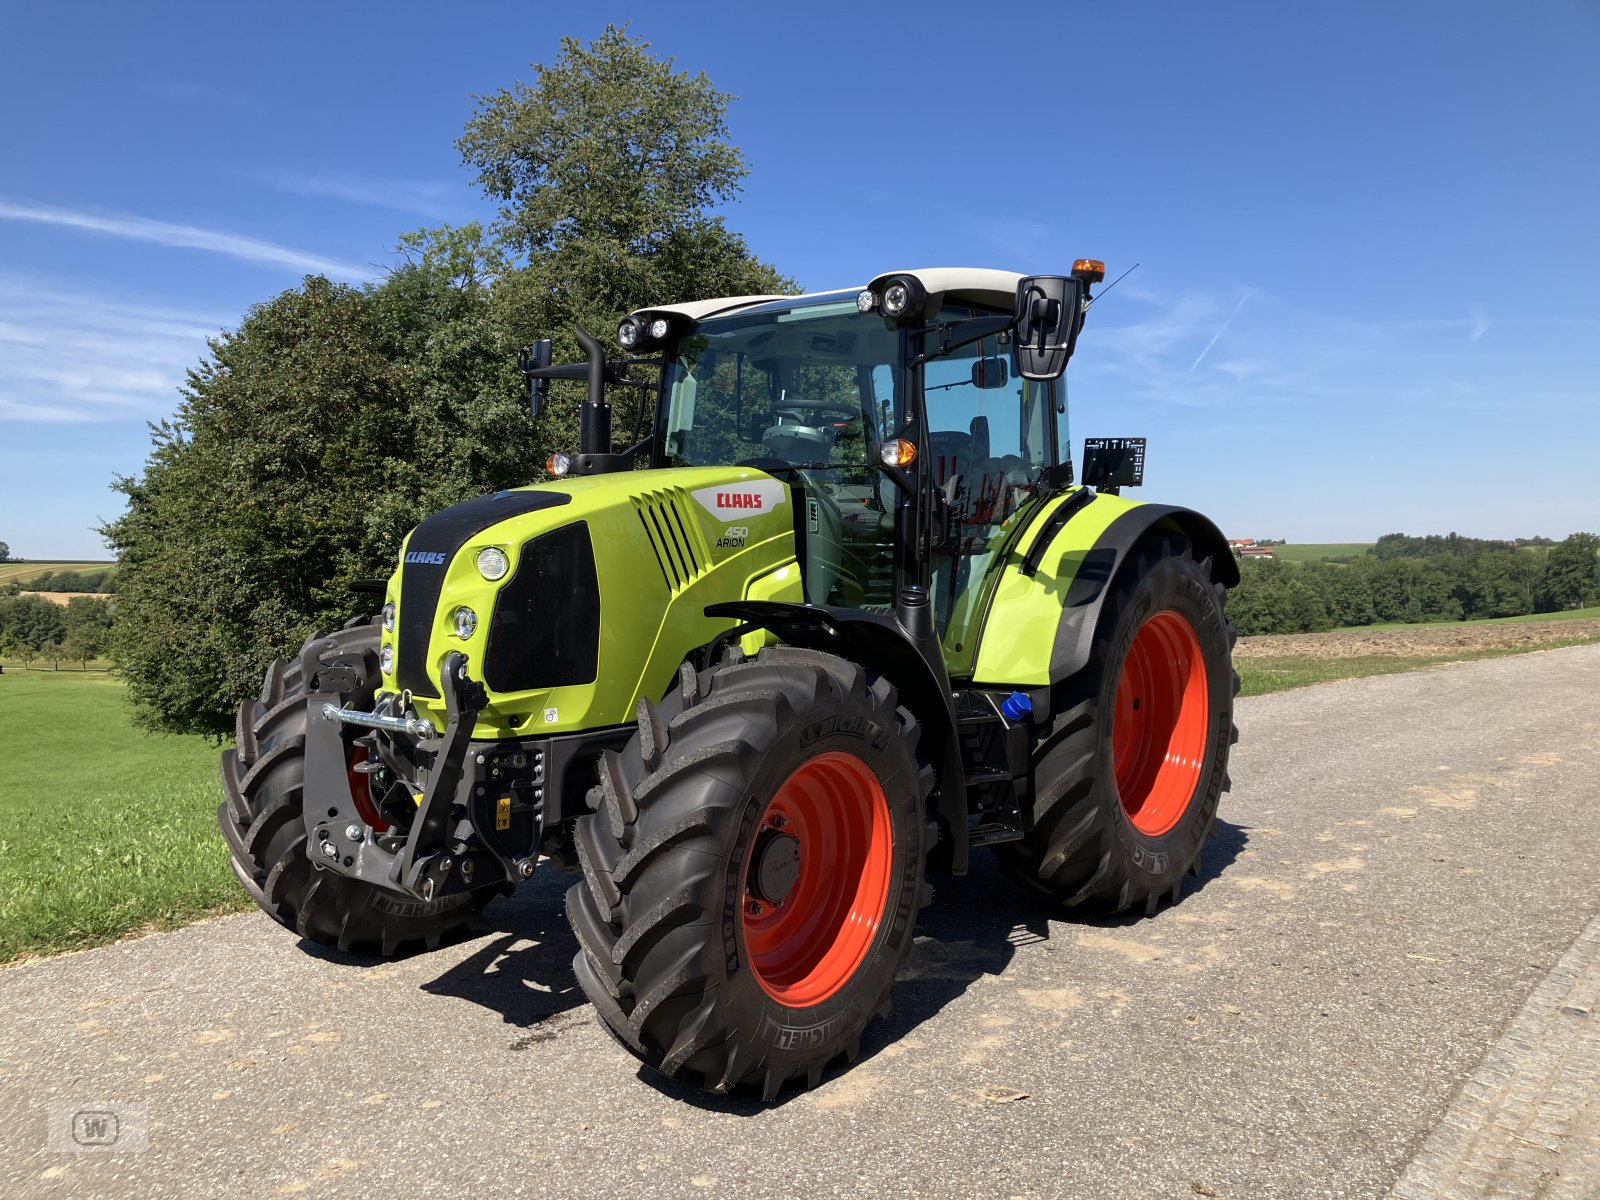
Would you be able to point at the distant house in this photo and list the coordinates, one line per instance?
(1238, 543)
(1254, 551)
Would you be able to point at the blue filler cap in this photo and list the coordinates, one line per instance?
(1016, 706)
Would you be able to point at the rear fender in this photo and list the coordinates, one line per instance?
(1081, 610)
(876, 641)
(1041, 621)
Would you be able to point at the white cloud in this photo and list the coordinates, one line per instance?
(192, 237)
(73, 356)
(426, 198)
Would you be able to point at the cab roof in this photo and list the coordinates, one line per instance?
(978, 285)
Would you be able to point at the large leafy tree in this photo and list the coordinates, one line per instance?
(312, 437)
(608, 167)
(1570, 577)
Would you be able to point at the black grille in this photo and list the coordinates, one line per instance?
(433, 544)
(546, 626)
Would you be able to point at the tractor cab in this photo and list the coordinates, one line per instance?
(816, 390)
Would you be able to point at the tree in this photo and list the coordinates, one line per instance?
(607, 168)
(54, 651)
(1570, 576)
(32, 620)
(80, 646)
(1499, 584)
(5, 552)
(88, 629)
(1345, 594)
(293, 466)
(312, 437)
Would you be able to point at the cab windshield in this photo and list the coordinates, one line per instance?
(803, 390)
(806, 387)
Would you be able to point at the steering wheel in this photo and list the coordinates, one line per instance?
(851, 412)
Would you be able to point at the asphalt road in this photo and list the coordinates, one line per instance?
(1405, 864)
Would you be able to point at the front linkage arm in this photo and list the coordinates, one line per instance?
(337, 837)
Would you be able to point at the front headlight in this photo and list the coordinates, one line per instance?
(492, 563)
(386, 659)
(466, 623)
(388, 617)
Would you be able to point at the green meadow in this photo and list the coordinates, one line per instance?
(104, 830)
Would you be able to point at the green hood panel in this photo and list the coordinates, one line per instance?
(665, 543)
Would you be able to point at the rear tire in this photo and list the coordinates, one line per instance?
(1127, 781)
(753, 870)
(262, 821)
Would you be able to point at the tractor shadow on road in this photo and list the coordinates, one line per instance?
(523, 968)
(974, 927)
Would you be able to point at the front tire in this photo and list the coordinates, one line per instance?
(753, 871)
(1127, 781)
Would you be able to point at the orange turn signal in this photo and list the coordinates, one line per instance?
(558, 464)
(1090, 270)
(897, 452)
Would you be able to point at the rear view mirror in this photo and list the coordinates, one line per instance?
(990, 373)
(1049, 314)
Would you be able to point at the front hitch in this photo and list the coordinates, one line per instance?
(419, 863)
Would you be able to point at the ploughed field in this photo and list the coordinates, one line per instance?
(1421, 640)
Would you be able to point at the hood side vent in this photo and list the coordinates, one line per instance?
(674, 535)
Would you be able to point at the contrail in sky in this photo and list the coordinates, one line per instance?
(1219, 332)
(192, 237)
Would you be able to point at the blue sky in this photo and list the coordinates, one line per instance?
(1369, 232)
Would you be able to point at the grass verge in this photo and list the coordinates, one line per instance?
(104, 830)
(1258, 676)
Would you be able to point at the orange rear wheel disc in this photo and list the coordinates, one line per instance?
(1161, 724)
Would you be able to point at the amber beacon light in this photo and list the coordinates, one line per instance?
(1090, 270)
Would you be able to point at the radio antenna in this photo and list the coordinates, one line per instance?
(1095, 300)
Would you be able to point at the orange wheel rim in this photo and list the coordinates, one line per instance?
(816, 879)
(1162, 719)
(361, 791)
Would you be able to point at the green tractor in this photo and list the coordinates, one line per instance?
(838, 616)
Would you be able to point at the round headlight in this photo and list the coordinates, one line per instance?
(388, 617)
(865, 300)
(628, 334)
(386, 659)
(492, 563)
(659, 329)
(558, 464)
(466, 623)
(896, 298)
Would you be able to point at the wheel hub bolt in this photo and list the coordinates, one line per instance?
(754, 908)
(354, 833)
